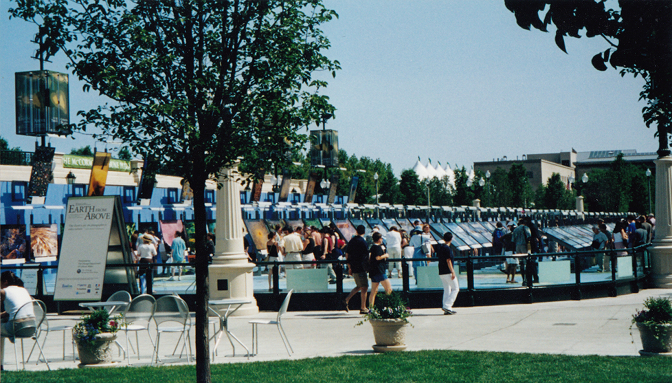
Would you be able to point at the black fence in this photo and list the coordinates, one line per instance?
(529, 292)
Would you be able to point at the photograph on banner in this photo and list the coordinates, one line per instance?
(168, 229)
(310, 188)
(190, 232)
(313, 222)
(44, 242)
(274, 224)
(258, 231)
(98, 180)
(294, 223)
(130, 229)
(346, 229)
(187, 193)
(14, 247)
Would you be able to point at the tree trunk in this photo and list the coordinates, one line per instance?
(202, 285)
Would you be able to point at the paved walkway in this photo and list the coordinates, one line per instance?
(591, 326)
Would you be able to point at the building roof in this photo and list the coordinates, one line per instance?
(601, 156)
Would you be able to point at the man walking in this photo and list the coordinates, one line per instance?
(357, 256)
(447, 274)
(393, 239)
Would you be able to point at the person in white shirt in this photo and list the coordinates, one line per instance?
(147, 253)
(293, 248)
(16, 318)
(393, 239)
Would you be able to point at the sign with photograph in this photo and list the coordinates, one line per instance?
(13, 244)
(44, 242)
(42, 103)
(40, 175)
(101, 165)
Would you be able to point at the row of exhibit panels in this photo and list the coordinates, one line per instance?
(475, 237)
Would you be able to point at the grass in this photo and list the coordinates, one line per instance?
(422, 366)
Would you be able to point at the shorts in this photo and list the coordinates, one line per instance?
(378, 277)
(307, 257)
(361, 280)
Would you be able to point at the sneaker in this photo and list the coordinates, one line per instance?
(170, 279)
(449, 312)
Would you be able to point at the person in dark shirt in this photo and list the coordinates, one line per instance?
(357, 256)
(378, 267)
(447, 274)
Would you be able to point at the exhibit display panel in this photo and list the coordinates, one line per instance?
(346, 229)
(463, 235)
(457, 243)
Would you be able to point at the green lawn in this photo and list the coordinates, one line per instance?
(423, 366)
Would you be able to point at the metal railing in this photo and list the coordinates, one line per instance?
(468, 268)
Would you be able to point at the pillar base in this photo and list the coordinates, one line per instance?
(233, 280)
(661, 265)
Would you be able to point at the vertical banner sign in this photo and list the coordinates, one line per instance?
(324, 148)
(81, 268)
(42, 104)
(187, 192)
(284, 189)
(333, 188)
(310, 188)
(256, 190)
(147, 180)
(353, 189)
(99, 169)
(40, 175)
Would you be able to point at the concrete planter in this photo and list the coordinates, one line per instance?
(389, 334)
(656, 339)
(98, 352)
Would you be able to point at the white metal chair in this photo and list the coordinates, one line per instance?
(46, 328)
(168, 311)
(137, 317)
(33, 314)
(278, 322)
(121, 296)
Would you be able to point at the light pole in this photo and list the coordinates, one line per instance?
(648, 178)
(487, 180)
(375, 177)
(71, 181)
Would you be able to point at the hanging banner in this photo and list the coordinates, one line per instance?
(40, 174)
(310, 188)
(256, 190)
(42, 103)
(353, 189)
(187, 192)
(332, 188)
(324, 148)
(98, 179)
(284, 189)
(147, 180)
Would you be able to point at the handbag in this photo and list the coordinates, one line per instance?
(426, 248)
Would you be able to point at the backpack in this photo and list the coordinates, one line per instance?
(497, 237)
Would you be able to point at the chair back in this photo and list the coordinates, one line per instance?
(121, 296)
(28, 328)
(171, 308)
(285, 304)
(141, 309)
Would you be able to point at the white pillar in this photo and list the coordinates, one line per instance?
(579, 204)
(661, 251)
(230, 274)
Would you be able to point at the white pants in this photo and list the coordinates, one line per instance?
(293, 257)
(450, 289)
(395, 253)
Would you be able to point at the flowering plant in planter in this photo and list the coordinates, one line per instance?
(655, 325)
(392, 306)
(97, 322)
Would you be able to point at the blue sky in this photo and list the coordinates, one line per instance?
(454, 81)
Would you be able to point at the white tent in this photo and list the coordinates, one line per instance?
(440, 173)
(420, 170)
(451, 175)
(431, 172)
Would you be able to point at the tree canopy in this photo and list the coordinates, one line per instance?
(637, 40)
(195, 85)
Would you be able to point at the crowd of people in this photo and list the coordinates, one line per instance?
(525, 237)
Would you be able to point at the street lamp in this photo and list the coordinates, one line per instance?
(481, 182)
(375, 177)
(584, 178)
(487, 180)
(648, 178)
(70, 178)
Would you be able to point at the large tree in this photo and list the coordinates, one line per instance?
(638, 40)
(195, 85)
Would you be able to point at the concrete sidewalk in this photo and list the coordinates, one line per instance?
(591, 326)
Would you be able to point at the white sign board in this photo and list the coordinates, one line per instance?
(81, 267)
(29, 278)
